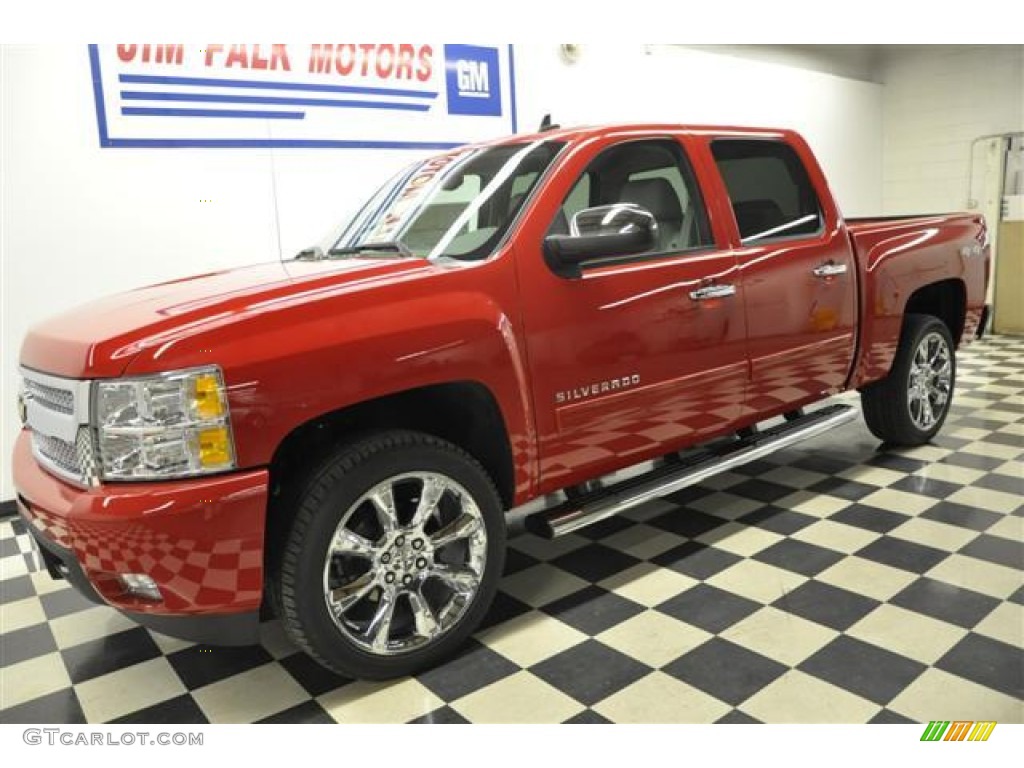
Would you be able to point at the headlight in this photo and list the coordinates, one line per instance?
(165, 426)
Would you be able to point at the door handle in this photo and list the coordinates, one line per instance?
(718, 291)
(829, 269)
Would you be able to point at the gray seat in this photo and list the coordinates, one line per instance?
(658, 197)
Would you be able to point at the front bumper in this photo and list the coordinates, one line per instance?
(200, 540)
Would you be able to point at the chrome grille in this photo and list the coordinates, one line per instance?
(57, 413)
(54, 398)
(60, 452)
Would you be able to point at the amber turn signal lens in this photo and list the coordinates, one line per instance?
(214, 447)
(209, 403)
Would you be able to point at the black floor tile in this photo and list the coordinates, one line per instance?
(842, 488)
(888, 717)
(869, 518)
(725, 670)
(778, 520)
(760, 490)
(109, 654)
(686, 522)
(709, 608)
(1017, 597)
(687, 495)
(864, 669)
(595, 562)
(906, 555)
(26, 643)
(472, 668)
(799, 557)
(201, 665)
(590, 672)
(180, 710)
(588, 717)
(503, 608)
(826, 465)
(517, 560)
(950, 443)
(592, 610)
(943, 601)
(755, 468)
(315, 679)
(64, 602)
(988, 662)
(834, 607)
(605, 528)
(306, 713)
(15, 589)
(736, 717)
(9, 547)
(896, 462)
(1004, 483)
(61, 707)
(925, 486)
(996, 549)
(442, 716)
(962, 516)
(696, 560)
(972, 460)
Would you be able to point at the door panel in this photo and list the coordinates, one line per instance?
(798, 273)
(625, 364)
(802, 326)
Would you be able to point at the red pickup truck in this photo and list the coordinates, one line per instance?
(564, 324)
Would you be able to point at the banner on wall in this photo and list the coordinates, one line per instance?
(332, 95)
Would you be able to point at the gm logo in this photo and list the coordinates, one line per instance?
(473, 80)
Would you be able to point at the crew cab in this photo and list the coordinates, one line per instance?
(563, 325)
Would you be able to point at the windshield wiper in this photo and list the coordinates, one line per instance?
(394, 246)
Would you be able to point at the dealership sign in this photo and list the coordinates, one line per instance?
(363, 95)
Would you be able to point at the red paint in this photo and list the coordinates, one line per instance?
(201, 540)
(301, 339)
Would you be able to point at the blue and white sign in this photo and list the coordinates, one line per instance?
(473, 80)
(335, 95)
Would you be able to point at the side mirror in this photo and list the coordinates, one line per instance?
(620, 229)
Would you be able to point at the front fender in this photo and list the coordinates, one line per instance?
(286, 366)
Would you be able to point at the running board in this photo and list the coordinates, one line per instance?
(689, 470)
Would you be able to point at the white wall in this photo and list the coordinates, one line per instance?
(79, 221)
(937, 100)
(840, 117)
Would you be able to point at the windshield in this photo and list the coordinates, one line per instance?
(458, 205)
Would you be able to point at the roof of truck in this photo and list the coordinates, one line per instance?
(577, 133)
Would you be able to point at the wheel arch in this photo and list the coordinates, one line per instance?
(946, 300)
(464, 413)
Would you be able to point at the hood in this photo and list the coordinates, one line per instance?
(99, 339)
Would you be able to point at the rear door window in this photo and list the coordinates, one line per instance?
(772, 196)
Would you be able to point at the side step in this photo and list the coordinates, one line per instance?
(689, 470)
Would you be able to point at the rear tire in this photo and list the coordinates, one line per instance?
(909, 406)
(393, 557)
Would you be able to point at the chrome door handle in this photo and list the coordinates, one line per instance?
(829, 269)
(718, 291)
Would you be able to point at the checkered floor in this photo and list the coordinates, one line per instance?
(832, 582)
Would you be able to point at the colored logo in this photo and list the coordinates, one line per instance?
(473, 80)
(958, 730)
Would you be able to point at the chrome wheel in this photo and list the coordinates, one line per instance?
(930, 382)
(405, 563)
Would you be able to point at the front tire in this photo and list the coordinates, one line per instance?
(393, 557)
(909, 406)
